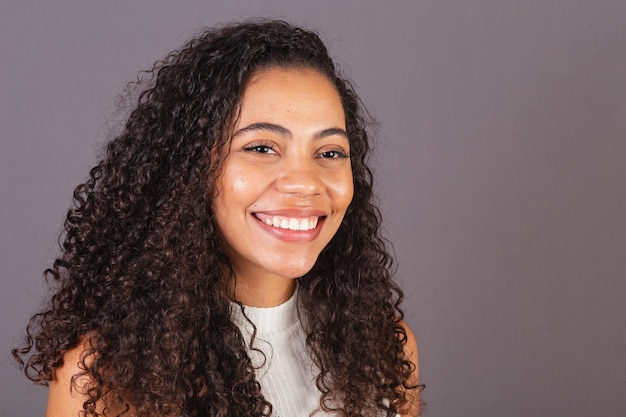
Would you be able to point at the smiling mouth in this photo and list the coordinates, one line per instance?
(290, 223)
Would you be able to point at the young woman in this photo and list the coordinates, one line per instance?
(224, 257)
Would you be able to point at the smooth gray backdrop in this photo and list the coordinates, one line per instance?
(501, 155)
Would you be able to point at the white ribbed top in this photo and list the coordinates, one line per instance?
(284, 368)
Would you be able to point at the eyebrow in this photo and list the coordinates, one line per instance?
(283, 131)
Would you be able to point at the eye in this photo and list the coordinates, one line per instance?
(333, 154)
(262, 148)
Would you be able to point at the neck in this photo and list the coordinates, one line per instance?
(263, 291)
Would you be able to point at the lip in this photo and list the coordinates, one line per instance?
(294, 212)
(288, 235)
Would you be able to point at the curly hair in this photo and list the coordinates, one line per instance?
(140, 278)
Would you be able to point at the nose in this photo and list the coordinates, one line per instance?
(300, 178)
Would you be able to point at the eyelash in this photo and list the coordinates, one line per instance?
(337, 154)
(266, 148)
(262, 148)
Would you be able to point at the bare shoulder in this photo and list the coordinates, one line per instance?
(410, 349)
(69, 386)
(410, 352)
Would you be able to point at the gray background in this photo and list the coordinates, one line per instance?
(500, 167)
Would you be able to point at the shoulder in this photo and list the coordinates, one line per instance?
(69, 385)
(410, 348)
(411, 354)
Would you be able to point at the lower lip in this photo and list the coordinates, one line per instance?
(293, 236)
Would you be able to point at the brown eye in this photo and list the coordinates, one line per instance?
(262, 149)
(333, 154)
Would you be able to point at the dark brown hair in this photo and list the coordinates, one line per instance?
(141, 274)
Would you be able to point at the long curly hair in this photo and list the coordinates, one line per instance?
(141, 277)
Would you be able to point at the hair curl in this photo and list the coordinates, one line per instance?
(141, 274)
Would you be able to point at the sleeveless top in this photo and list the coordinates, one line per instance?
(283, 364)
(284, 367)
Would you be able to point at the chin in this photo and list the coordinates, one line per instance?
(296, 271)
(294, 274)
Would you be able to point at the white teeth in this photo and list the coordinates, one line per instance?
(292, 223)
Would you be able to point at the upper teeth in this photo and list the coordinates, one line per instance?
(291, 223)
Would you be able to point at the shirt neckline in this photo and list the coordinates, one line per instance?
(266, 319)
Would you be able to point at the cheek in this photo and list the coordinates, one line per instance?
(343, 189)
(235, 185)
(240, 186)
(342, 192)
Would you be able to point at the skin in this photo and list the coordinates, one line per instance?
(287, 158)
(410, 350)
(63, 398)
(67, 391)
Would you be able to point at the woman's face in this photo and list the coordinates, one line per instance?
(287, 181)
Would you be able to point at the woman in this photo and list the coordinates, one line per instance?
(224, 257)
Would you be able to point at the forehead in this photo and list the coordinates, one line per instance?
(290, 93)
